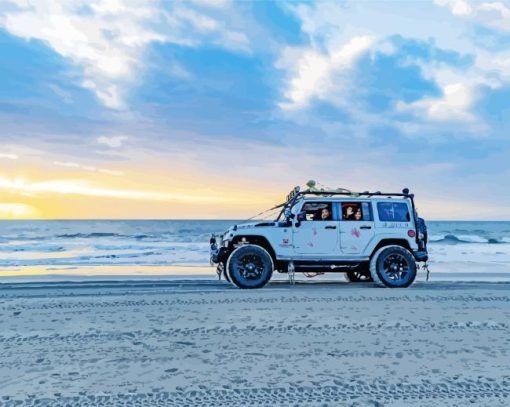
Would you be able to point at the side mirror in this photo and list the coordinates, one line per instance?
(301, 216)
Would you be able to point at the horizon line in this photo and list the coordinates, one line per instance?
(209, 219)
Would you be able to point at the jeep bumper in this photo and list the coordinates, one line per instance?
(420, 255)
(218, 255)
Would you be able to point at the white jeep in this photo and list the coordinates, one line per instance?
(370, 236)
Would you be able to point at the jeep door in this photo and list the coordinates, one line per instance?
(356, 227)
(315, 235)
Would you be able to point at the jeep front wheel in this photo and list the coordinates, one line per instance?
(393, 266)
(250, 266)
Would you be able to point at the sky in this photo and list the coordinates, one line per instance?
(218, 108)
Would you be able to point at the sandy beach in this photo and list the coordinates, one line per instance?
(203, 342)
(150, 150)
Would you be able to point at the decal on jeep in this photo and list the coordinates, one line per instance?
(395, 225)
(285, 242)
(355, 232)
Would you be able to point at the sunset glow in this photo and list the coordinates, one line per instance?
(179, 110)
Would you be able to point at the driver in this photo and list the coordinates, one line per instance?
(325, 214)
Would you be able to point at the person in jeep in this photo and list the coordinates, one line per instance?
(325, 214)
(358, 215)
(348, 212)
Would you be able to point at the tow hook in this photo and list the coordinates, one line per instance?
(425, 267)
(220, 269)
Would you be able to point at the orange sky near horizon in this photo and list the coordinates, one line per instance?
(149, 187)
(44, 192)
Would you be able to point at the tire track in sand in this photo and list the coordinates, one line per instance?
(376, 393)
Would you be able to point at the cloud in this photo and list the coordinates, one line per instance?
(67, 164)
(179, 71)
(9, 156)
(499, 7)
(411, 69)
(107, 39)
(90, 168)
(113, 141)
(495, 14)
(213, 3)
(115, 173)
(83, 188)
(316, 74)
(454, 105)
(457, 7)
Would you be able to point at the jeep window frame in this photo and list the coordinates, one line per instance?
(333, 211)
(366, 210)
(409, 211)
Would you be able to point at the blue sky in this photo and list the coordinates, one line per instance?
(224, 96)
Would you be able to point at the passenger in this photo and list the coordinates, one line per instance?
(325, 214)
(348, 213)
(358, 215)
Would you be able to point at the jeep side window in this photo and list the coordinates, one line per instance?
(352, 211)
(356, 211)
(317, 211)
(393, 212)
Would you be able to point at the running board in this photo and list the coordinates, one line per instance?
(307, 267)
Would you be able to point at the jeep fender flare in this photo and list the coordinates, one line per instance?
(256, 240)
(390, 241)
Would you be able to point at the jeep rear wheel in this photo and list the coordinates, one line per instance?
(393, 266)
(359, 276)
(250, 266)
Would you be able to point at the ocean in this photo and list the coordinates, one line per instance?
(166, 246)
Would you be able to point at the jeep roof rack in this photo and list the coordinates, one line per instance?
(296, 193)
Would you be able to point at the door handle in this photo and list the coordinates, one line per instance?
(365, 227)
(329, 227)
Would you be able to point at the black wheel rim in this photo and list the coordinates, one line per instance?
(396, 268)
(250, 266)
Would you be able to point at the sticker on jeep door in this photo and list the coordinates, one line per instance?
(285, 243)
(395, 225)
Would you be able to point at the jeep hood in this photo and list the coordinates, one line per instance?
(256, 224)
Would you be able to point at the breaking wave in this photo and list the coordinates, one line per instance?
(466, 239)
(176, 242)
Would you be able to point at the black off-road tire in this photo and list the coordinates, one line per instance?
(359, 276)
(250, 266)
(392, 260)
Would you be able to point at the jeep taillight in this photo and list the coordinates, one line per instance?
(411, 233)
